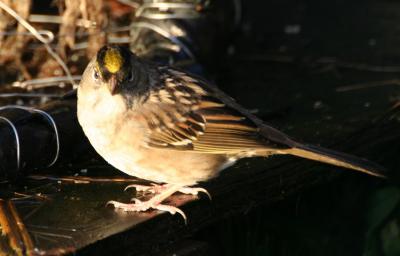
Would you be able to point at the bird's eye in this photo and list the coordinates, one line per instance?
(96, 75)
(130, 76)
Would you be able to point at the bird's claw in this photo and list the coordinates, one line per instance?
(153, 188)
(140, 206)
(156, 189)
(194, 191)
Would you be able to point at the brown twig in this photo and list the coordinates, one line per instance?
(9, 228)
(27, 241)
(84, 180)
(40, 83)
(95, 11)
(323, 60)
(25, 196)
(360, 86)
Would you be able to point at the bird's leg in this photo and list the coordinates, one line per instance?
(153, 203)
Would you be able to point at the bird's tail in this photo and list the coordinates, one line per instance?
(336, 158)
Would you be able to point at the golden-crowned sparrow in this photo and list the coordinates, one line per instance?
(169, 127)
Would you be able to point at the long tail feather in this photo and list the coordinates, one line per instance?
(336, 158)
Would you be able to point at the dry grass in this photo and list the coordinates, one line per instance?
(12, 47)
(80, 22)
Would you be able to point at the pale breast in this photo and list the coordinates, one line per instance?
(99, 114)
(119, 139)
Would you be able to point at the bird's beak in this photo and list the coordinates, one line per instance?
(112, 85)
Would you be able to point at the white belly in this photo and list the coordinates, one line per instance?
(102, 119)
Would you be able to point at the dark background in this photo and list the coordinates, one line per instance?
(286, 55)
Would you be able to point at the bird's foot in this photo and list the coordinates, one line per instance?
(141, 206)
(153, 188)
(162, 192)
(157, 189)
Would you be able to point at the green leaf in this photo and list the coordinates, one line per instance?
(391, 239)
(381, 205)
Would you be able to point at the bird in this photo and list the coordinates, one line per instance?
(176, 129)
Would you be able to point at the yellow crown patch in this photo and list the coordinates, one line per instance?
(113, 60)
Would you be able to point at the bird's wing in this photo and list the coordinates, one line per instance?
(184, 113)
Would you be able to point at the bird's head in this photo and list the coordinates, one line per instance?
(116, 70)
(113, 67)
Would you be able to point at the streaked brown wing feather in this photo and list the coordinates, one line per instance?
(203, 122)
